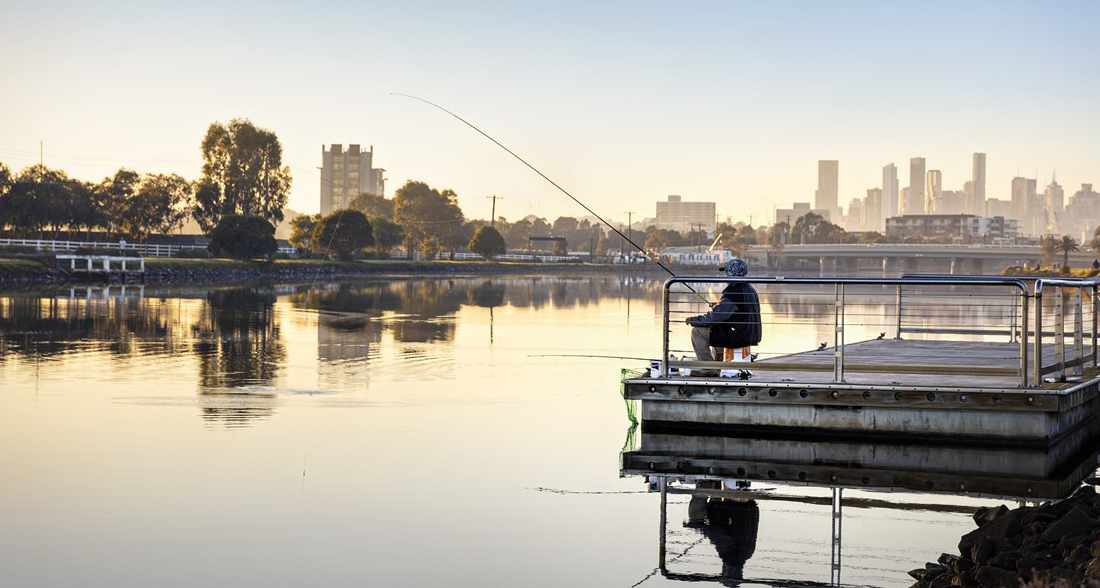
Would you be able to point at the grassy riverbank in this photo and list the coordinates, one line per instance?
(1050, 272)
(171, 270)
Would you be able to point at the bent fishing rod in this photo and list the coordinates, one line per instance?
(554, 184)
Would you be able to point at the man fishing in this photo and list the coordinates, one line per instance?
(733, 323)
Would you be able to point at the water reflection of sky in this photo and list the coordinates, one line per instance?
(400, 433)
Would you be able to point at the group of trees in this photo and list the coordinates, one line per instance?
(40, 200)
(242, 176)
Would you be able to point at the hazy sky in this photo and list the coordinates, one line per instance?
(621, 103)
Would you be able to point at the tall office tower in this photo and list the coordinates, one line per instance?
(914, 201)
(977, 191)
(853, 221)
(1054, 197)
(828, 180)
(934, 190)
(890, 195)
(1026, 206)
(346, 174)
(872, 210)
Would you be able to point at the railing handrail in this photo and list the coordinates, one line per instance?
(839, 283)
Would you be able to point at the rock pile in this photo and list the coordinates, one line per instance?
(1056, 543)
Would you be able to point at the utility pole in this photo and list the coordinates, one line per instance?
(629, 222)
(493, 217)
(41, 159)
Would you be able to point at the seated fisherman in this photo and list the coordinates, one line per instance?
(733, 323)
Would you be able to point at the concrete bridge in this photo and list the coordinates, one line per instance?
(896, 258)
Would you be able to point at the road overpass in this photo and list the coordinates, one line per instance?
(896, 258)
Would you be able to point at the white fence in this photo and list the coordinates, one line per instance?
(469, 256)
(143, 249)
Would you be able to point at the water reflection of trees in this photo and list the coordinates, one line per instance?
(237, 339)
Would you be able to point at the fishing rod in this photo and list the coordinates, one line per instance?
(555, 184)
(591, 356)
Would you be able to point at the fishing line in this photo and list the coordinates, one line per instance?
(552, 183)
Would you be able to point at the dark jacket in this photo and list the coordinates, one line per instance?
(735, 321)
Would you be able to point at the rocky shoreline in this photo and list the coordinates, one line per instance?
(212, 271)
(1053, 544)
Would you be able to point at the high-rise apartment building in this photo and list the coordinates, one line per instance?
(347, 173)
(1026, 206)
(677, 215)
(977, 186)
(916, 196)
(890, 195)
(934, 190)
(828, 180)
(873, 219)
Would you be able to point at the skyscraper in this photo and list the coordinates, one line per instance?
(346, 174)
(977, 189)
(934, 189)
(872, 211)
(890, 195)
(914, 202)
(828, 180)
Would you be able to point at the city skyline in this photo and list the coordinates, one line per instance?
(750, 97)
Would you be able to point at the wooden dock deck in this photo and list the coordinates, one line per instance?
(1033, 391)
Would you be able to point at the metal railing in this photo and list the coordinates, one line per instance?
(974, 307)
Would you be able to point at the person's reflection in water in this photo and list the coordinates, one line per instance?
(731, 524)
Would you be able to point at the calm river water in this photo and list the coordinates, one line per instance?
(375, 433)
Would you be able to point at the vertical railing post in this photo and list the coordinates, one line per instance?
(898, 312)
(1095, 298)
(1060, 332)
(1078, 367)
(838, 335)
(1038, 355)
(1012, 319)
(664, 330)
(1023, 340)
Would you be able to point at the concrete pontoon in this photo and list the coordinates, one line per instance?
(975, 359)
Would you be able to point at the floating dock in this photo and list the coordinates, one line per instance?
(980, 360)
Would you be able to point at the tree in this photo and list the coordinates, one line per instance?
(242, 174)
(37, 199)
(372, 206)
(387, 234)
(488, 242)
(1066, 245)
(344, 232)
(161, 204)
(1048, 251)
(301, 230)
(242, 237)
(1094, 244)
(116, 192)
(427, 214)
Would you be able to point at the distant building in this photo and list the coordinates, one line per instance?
(934, 189)
(915, 197)
(976, 193)
(1054, 202)
(677, 215)
(346, 174)
(873, 219)
(797, 211)
(828, 180)
(928, 225)
(890, 196)
(853, 221)
(965, 226)
(1026, 207)
(952, 202)
(998, 207)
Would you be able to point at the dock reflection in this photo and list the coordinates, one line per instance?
(726, 479)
